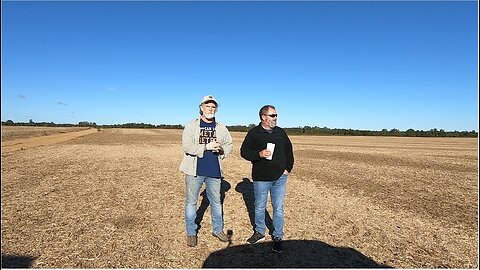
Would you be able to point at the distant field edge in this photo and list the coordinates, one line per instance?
(25, 143)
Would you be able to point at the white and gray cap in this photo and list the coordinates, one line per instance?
(208, 98)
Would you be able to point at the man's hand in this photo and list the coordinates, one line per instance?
(213, 146)
(264, 153)
(218, 149)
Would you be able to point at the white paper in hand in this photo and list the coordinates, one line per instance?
(271, 147)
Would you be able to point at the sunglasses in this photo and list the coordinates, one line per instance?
(272, 115)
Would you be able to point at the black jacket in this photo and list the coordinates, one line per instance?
(264, 169)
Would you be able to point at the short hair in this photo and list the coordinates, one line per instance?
(264, 110)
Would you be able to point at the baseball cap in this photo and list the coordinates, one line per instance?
(209, 98)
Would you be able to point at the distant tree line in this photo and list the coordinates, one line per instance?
(384, 132)
(142, 125)
(37, 124)
(90, 124)
(306, 130)
(325, 131)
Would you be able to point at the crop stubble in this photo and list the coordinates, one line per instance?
(115, 199)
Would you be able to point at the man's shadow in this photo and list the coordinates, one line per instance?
(17, 261)
(296, 254)
(225, 186)
(246, 189)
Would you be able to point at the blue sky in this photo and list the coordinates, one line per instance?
(364, 65)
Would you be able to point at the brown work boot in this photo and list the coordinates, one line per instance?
(221, 235)
(191, 240)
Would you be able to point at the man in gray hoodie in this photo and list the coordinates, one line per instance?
(205, 143)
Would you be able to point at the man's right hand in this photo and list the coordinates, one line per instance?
(264, 153)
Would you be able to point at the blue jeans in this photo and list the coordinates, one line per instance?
(193, 186)
(277, 190)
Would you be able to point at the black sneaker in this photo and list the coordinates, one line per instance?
(277, 245)
(256, 237)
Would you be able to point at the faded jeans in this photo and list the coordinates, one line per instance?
(277, 191)
(193, 186)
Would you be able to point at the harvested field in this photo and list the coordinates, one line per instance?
(20, 132)
(115, 198)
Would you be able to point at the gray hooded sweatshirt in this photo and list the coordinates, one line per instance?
(193, 149)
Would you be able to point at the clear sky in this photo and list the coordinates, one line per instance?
(365, 65)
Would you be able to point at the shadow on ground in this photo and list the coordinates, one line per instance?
(296, 254)
(15, 261)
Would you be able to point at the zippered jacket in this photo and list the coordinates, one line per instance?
(282, 159)
(193, 149)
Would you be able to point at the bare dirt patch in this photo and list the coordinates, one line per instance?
(20, 132)
(115, 199)
(32, 139)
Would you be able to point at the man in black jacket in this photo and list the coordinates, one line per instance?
(269, 149)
